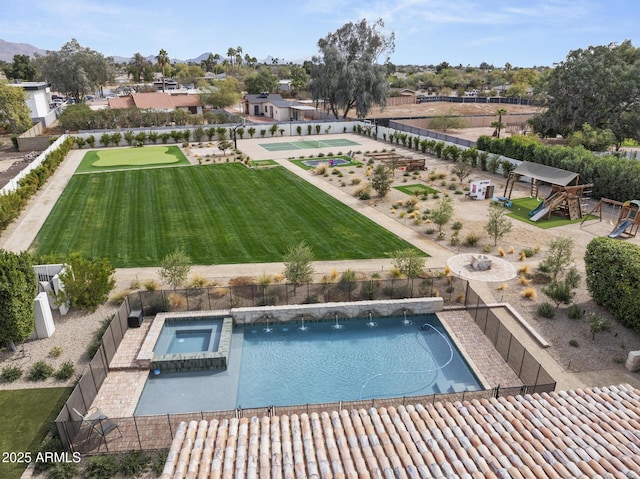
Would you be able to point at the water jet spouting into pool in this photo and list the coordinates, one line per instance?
(302, 326)
(337, 325)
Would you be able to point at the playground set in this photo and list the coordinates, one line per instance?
(566, 197)
(628, 221)
(402, 162)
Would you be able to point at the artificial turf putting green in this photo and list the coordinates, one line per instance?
(126, 158)
(327, 160)
(25, 415)
(522, 206)
(223, 213)
(412, 189)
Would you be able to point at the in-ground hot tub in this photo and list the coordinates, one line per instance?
(187, 343)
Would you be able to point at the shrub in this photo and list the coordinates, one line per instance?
(96, 342)
(177, 301)
(523, 280)
(242, 281)
(471, 239)
(198, 281)
(524, 269)
(150, 285)
(134, 463)
(101, 467)
(158, 459)
(65, 371)
(574, 343)
(546, 310)
(52, 444)
(63, 470)
(529, 252)
(530, 293)
(118, 298)
(574, 312)
(456, 226)
(10, 374)
(612, 271)
(55, 352)
(40, 371)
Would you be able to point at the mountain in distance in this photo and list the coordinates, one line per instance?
(9, 49)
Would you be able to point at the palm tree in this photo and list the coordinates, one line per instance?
(498, 125)
(163, 61)
(231, 53)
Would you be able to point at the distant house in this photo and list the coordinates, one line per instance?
(38, 101)
(272, 105)
(158, 101)
(169, 84)
(285, 85)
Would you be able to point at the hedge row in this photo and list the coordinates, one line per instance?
(613, 278)
(612, 177)
(12, 203)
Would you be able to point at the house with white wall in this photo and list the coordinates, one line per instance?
(273, 106)
(38, 100)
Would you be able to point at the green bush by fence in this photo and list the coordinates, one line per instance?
(613, 278)
(611, 176)
(12, 203)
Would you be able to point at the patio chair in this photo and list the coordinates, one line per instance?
(98, 423)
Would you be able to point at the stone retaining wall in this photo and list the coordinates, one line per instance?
(393, 307)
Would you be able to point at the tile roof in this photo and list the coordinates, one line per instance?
(155, 100)
(590, 433)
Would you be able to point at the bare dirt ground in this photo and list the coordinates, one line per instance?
(440, 108)
(11, 160)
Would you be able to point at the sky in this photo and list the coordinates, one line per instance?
(427, 32)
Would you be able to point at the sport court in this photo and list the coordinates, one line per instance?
(307, 144)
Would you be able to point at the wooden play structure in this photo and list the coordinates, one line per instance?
(566, 197)
(399, 161)
(628, 221)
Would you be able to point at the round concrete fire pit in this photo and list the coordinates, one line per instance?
(481, 267)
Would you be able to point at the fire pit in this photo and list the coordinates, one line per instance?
(481, 262)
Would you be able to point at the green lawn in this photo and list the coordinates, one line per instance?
(218, 213)
(126, 158)
(412, 189)
(258, 163)
(522, 206)
(25, 416)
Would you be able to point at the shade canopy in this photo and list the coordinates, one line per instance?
(549, 174)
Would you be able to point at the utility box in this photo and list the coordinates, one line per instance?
(480, 190)
(135, 318)
(44, 318)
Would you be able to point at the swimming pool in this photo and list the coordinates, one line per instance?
(287, 365)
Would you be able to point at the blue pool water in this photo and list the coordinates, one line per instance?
(321, 364)
(180, 336)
